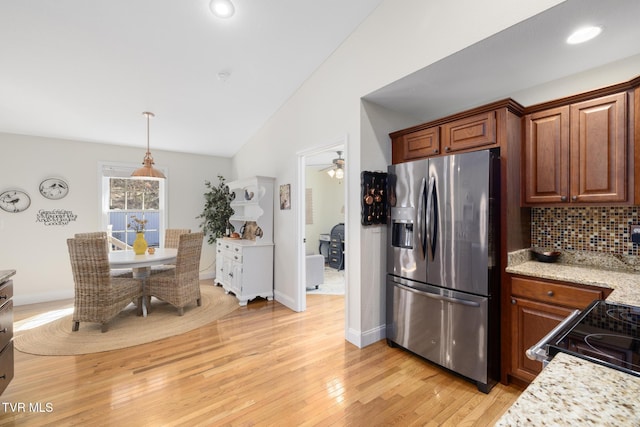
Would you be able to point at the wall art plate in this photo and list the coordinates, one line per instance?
(14, 201)
(54, 188)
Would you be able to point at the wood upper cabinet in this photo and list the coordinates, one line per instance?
(577, 153)
(537, 306)
(599, 150)
(416, 145)
(470, 132)
(546, 153)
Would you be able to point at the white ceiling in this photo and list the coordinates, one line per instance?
(86, 69)
(512, 63)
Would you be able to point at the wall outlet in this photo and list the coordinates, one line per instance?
(634, 232)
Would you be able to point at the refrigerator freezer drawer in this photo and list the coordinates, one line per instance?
(446, 327)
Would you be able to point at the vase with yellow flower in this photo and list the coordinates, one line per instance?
(140, 244)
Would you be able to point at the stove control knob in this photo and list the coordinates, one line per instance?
(550, 293)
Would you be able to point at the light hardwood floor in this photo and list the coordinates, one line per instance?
(261, 365)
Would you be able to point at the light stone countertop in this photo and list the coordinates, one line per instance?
(574, 392)
(619, 274)
(571, 391)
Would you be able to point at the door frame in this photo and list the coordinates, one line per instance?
(339, 143)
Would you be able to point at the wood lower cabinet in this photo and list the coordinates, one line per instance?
(537, 306)
(578, 153)
(245, 268)
(6, 329)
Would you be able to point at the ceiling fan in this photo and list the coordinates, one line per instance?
(336, 170)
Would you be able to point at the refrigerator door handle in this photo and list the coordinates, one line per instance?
(432, 227)
(420, 220)
(438, 296)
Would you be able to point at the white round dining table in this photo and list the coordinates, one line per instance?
(141, 264)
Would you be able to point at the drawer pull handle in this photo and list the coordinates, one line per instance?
(4, 296)
(3, 377)
(550, 293)
(4, 330)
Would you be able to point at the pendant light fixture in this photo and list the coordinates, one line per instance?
(147, 170)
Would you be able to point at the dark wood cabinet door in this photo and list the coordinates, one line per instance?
(470, 132)
(530, 321)
(546, 156)
(417, 145)
(599, 150)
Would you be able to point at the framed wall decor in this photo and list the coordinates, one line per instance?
(14, 201)
(285, 196)
(54, 188)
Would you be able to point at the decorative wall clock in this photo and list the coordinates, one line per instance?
(54, 188)
(14, 201)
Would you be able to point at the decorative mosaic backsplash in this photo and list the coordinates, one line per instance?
(596, 229)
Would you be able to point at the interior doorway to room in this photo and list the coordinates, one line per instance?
(324, 221)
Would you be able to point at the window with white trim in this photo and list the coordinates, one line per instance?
(124, 198)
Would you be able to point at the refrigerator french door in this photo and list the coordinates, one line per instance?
(442, 298)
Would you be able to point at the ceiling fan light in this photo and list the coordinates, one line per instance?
(339, 173)
(222, 8)
(331, 172)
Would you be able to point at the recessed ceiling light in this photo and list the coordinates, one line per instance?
(222, 8)
(583, 34)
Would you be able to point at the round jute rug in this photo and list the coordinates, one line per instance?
(53, 336)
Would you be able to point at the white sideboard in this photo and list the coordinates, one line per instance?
(245, 268)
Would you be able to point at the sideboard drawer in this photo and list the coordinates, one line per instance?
(6, 323)
(6, 291)
(6, 366)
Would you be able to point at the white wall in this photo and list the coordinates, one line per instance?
(400, 37)
(39, 253)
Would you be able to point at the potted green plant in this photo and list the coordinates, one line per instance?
(217, 210)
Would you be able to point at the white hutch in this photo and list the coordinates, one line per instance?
(244, 266)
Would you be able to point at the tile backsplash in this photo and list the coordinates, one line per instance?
(596, 229)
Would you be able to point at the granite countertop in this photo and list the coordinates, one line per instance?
(5, 274)
(573, 392)
(620, 273)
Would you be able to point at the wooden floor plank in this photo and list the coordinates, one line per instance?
(263, 364)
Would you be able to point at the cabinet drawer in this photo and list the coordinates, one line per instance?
(6, 366)
(470, 132)
(554, 293)
(6, 291)
(6, 323)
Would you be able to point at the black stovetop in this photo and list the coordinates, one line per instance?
(605, 333)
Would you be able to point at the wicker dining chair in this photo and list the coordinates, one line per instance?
(180, 286)
(99, 297)
(172, 236)
(115, 272)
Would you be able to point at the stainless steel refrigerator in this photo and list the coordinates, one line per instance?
(442, 285)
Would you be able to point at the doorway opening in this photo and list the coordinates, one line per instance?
(322, 221)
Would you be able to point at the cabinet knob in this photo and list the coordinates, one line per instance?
(513, 302)
(447, 149)
(563, 198)
(231, 274)
(574, 198)
(435, 151)
(550, 293)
